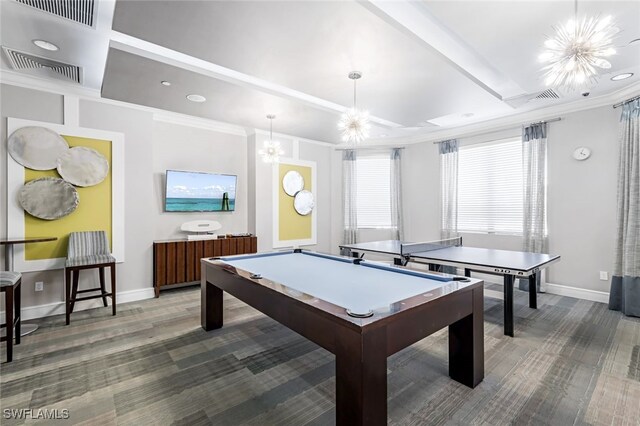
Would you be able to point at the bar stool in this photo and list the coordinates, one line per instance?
(10, 286)
(88, 250)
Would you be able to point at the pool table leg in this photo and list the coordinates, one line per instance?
(210, 305)
(466, 344)
(508, 305)
(361, 377)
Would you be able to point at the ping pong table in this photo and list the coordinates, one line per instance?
(509, 264)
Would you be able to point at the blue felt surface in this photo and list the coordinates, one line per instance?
(355, 287)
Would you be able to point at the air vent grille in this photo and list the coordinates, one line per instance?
(80, 11)
(548, 94)
(25, 61)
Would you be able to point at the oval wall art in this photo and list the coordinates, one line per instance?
(48, 198)
(303, 202)
(36, 148)
(83, 166)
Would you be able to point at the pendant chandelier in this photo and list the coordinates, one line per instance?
(354, 123)
(576, 52)
(271, 150)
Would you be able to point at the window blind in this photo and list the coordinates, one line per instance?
(490, 187)
(373, 174)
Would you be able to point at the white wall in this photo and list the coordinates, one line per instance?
(581, 197)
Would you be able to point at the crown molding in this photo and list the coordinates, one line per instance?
(14, 78)
(291, 137)
(515, 120)
(199, 123)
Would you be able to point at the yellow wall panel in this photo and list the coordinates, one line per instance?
(293, 226)
(93, 212)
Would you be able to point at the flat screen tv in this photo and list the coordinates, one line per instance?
(199, 192)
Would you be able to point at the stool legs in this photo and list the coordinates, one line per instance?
(102, 287)
(112, 267)
(9, 305)
(18, 316)
(67, 286)
(72, 275)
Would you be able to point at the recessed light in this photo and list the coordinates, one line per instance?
(165, 83)
(468, 114)
(43, 44)
(196, 98)
(622, 76)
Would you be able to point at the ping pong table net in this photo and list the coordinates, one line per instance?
(407, 249)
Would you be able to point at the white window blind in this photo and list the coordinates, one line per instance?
(490, 187)
(373, 174)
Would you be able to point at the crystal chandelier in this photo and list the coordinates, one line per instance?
(574, 54)
(354, 123)
(271, 150)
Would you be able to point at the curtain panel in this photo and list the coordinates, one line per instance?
(349, 191)
(397, 223)
(625, 282)
(534, 194)
(449, 188)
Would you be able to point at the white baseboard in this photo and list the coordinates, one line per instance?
(578, 293)
(41, 311)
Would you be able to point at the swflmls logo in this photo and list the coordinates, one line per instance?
(28, 413)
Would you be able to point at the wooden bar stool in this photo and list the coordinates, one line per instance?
(10, 286)
(88, 250)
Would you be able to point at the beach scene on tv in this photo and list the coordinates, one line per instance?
(199, 192)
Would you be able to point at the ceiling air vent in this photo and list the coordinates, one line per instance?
(80, 11)
(24, 61)
(548, 94)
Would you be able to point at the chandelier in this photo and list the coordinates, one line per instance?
(354, 123)
(577, 50)
(271, 150)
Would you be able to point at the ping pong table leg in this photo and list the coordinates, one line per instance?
(533, 290)
(508, 305)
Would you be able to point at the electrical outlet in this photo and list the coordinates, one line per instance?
(39, 285)
(604, 275)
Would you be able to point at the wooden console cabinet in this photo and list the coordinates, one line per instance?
(178, 261)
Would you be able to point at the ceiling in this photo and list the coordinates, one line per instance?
(426, 65)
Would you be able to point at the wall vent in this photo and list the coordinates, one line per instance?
(80, 11)
(548, 94)
(23, 61)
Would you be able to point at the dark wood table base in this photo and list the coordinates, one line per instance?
(361, 351)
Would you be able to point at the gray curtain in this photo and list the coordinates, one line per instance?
(625, 283)
(349, 191)
(449, 187)
(397, 223)
(534, 174)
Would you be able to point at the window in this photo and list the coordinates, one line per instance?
(373, 180)
(490, 187)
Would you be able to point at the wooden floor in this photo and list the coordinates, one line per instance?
(571, 362)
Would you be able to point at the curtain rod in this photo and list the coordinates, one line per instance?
(370, 148)
(552, 120)
(619, 104)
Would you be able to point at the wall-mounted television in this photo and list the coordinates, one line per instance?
(199, 192)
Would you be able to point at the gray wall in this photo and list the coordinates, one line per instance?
(581, 197)
(150, 148)
(178, 147)
(308, 151)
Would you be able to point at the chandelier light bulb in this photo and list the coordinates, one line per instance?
(574, 55)
(354, 123)
(271, 150)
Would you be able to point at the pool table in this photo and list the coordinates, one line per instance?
(361, 311)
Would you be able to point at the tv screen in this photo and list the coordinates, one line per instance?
(199, 192)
